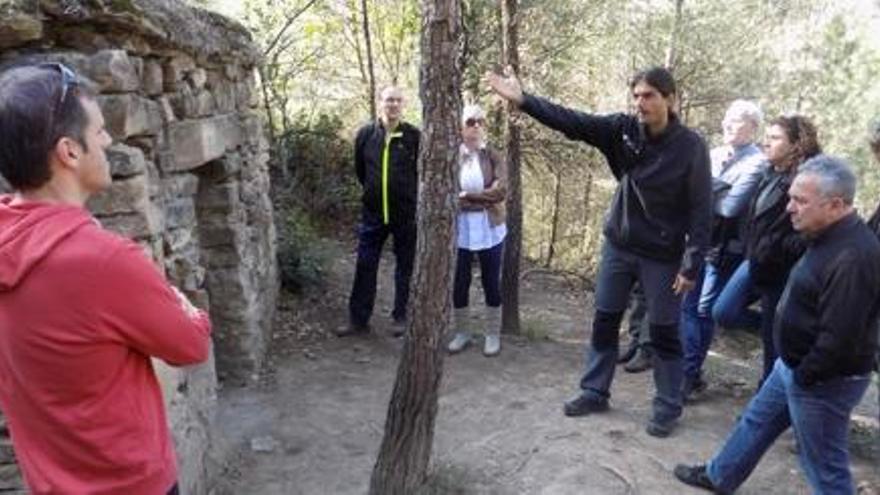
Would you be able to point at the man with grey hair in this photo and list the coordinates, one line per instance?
(737, 166)
(825, 332)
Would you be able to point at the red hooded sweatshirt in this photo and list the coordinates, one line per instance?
(81, 313)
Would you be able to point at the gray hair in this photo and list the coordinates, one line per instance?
(745, 109)
(472, 111)
(835, 178)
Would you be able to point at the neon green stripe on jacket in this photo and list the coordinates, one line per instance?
(386, 216)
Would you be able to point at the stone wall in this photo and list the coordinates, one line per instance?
(190, 179)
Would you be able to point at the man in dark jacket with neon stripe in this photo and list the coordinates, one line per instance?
(385, 158)
(656, 232)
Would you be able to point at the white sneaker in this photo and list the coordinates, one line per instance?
(458, 344)
(492, 345)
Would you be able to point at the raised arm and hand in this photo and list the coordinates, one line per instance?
(505, 85)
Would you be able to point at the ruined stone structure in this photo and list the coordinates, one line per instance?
(189, 164)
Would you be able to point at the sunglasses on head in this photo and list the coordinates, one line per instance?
(474, 122)
(68, 79)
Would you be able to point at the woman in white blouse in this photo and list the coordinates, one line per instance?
(482, 180)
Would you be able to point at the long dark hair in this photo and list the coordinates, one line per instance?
(802, 134)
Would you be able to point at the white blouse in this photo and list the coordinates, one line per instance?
(475, 232)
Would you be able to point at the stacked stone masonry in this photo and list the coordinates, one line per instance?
(190, 178)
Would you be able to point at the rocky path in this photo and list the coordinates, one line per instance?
(313, 424)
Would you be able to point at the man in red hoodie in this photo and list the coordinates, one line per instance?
(82, 311)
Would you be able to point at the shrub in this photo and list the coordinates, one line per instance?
(314, 190)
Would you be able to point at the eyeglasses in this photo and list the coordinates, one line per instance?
(68, 80)
(474, 122)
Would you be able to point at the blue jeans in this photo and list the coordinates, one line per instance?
(697, 326)
(731, 309)
(490, 275)
(819, 415)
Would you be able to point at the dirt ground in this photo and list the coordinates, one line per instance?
(314, 421)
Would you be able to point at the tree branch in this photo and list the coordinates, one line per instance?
(290, 21)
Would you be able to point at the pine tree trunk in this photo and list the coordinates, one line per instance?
(513, 244)
(370, 71)
(672, 48)
(554, 218)
(402, 463)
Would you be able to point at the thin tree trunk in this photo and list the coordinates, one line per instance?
(554, 219)
(672, 49)
(267, 102)
(588, 214)
(349, 21)
(510, 322)
(370, 70)
(402, 463)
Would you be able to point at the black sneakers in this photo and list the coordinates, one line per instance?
(660, 429)
(695, 476)
(642, 361)
(583, 405)
(623, 356)
(692, 388)
(398, 327)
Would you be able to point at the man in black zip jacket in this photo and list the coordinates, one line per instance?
(825, 330)
(385, 158)
(657, 229)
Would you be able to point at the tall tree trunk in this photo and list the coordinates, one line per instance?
(370, 70)
(267, 102)
(672, 49)
(587, 215)
(349, 21)
(554, 219)
(402, 463)
(513, 244)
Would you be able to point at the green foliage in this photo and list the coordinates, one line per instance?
(314, 190)
(817, 57)
(302, 257)
(316, 165)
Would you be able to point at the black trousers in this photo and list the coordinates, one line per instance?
(371, 238)
(490, 273)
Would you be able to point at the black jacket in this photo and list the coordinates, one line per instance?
(402, 174)
(772, 244)
(826, 320)
(874, 225)
(874, 221)
(662, 208)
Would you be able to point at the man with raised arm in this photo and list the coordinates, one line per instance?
(656, 231)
